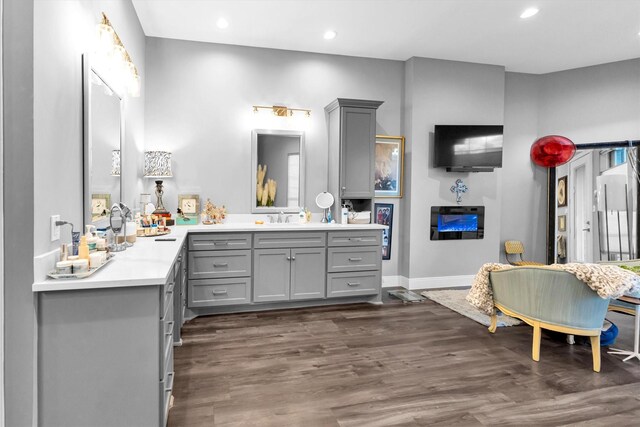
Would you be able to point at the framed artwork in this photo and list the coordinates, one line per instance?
(389, 164)
(188, 209)
(383, 214)
(100, 205)
(562, 223)
(561, 192)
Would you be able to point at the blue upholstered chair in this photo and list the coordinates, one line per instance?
(551, 299)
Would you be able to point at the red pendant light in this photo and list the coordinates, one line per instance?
(552, 150)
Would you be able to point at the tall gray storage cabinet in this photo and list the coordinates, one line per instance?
(352, 136)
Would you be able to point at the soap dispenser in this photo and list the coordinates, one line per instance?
(83, 249)
(91, 237)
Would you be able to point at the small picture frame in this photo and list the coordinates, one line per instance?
(383, 214)
(100, 206)
(389, 166)
(562, 192)
(188, 209)
(562, 223)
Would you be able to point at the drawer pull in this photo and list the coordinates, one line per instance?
(356, 239)
(353, 283)
(220, 292)
(170, 388)
(221, 243)
(170, 288)
(221, 264)
(355, 259)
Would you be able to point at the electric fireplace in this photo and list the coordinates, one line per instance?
(457, 222)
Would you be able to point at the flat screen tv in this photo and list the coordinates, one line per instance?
(468, 148)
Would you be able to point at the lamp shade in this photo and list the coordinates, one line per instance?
(552, 150)
(616, 192)
(115, 163)
(157, 164)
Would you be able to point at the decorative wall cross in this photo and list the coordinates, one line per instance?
(459, 188)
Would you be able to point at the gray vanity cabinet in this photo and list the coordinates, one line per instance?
(307, 273)
(180, 293)
(290, 267)
(352, 135)
(272, 274)
(358, 133)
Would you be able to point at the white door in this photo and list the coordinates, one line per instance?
(581, 207)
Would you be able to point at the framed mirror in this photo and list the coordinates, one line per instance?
(103, 110)
(278, 166)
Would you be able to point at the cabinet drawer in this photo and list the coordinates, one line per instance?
(166, 388)
(218, 264)
(355, 238)
(213, 292)
(292, 239)
(219, 241)
(352, 284)
(354, 259)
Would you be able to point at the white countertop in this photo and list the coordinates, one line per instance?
(149, 262)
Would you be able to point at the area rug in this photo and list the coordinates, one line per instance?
(454, 299)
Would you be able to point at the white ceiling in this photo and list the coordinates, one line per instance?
(565, 34)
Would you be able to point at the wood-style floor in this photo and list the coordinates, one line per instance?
(391, 365)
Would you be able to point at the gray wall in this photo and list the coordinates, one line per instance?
(199, 98)
(17, 51)
(524, 186)
(64, 30)
(449, 92)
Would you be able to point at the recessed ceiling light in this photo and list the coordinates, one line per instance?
(528, 13)
(222, 23)
(330, 35)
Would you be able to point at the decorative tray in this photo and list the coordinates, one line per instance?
(159, 233)
(82, 275)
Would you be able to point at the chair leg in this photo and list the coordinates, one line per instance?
(494, 323)
(595, 350)
(535, 352)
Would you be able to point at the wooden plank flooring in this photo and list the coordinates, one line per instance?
(392, 365)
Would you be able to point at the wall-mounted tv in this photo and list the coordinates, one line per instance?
(468, 148)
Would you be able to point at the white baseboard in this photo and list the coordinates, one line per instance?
(427, 282)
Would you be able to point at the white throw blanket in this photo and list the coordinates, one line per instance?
(608, 281)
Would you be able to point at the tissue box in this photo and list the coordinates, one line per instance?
(363, 217)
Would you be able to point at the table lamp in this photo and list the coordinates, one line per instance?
(157, 164)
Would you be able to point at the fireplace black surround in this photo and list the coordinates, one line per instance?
(457, 222)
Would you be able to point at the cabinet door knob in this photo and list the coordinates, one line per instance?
(293, 258)
(288, 258)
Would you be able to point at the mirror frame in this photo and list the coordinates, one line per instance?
(255, 133)
(87, 145)
(551, 194)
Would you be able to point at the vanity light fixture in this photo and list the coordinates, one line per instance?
(281, 110)
(115, 163)
(112, 51)
(157, 164)
(528, 13)
(330, 35)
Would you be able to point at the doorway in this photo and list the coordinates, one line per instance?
(581, 202)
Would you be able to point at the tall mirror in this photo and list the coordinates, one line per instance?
(103, 145)
(278, 170)
(597, 205)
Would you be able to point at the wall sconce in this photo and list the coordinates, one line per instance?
(116, 58)
(157, 164)
(281, 110)
(115, 163)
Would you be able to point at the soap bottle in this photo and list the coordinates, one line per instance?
(303, 216)
(83, 248)
(92, 238)
(344, 215)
